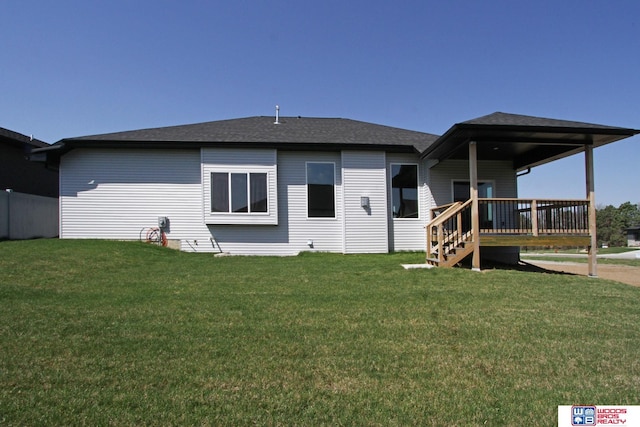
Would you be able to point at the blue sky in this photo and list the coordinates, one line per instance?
(72, 68)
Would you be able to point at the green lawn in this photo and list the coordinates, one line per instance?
(616, 250)
(111, 333)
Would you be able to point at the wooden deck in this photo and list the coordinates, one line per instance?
(505, 222)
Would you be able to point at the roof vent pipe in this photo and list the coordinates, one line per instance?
(277, 122)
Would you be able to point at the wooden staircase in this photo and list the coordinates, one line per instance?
(506, 222)
(449, 235)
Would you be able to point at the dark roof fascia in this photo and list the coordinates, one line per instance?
(624, 132)
(67, 145)
(331, 146)
(49, 155)
(449, 134)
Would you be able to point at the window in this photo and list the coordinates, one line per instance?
(219, 192)
(404, 191)
(321, 201)
(238, 192)
(240, 186)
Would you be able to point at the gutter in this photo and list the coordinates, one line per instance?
(54, 147)
(50, 155)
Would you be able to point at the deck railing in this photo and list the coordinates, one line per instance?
(505, 222)
(533, 216)
(529, 216)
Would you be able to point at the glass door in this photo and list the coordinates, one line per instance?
(461, 193)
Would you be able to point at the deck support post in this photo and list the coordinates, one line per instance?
(534, 218)
(593, 263)
(473, 191)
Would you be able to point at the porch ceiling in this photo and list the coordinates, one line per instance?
(526, 141)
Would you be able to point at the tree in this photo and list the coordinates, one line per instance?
(612, 223)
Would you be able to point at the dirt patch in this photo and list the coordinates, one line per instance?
(619, 273)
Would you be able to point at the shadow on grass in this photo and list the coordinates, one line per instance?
(520, 266)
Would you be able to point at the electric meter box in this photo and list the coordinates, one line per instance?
(163, 221)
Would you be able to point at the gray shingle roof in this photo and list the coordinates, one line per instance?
(263, 130)
(525, 140)
(16, 138)
(506, 119)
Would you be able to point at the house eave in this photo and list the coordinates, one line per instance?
(525, 146)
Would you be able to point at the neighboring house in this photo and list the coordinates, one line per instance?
(28, 190)
(275, 187)
(633, 236)
(18, 173)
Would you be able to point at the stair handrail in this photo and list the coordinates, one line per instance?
(444, 215)
(449, 212)
(452, 210)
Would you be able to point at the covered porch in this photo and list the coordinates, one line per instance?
(461, 228)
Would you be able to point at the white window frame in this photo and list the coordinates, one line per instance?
(335, 195)
(391, 165)
(229, 210)
(243, 161)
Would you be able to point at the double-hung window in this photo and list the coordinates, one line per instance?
(404, 190)
(233, 192)
(321, 193)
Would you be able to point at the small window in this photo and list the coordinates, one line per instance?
(321, 200)
(239, 202)
(258, 192)
(404, 191)
(219, 192)
(239, 192)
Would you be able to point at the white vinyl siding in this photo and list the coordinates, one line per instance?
(365, 228)
(294, 229)
(117, 194)
(500, 173)
(326, 233)
(238, 163)
(408, 234)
